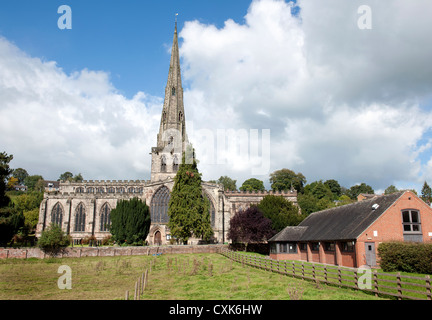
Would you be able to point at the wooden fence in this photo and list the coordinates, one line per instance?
(386, 284)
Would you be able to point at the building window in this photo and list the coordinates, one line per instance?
(163, 164)
(131, 190)
(329, 246)
(173, 91)
(212, 212)
(303, 246)
(105, 220)
(120, 190)
(57, 214)
(90, 190)
(283, 248)
(159, 206)
(273, 248)
(79, 190)
(411, 221)
(100, 190)
(175, 164)
(111, 190)
(314, 246)
(80, 218)
(347, 246)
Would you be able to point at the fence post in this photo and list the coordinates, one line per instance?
(127, 295)
(302, 270)
(356, 279)
(399, 286)
(340, 276)
(293, 268)
(428, 287)
(136, 291)
(313, 271)
(325, 274)
(376, 283)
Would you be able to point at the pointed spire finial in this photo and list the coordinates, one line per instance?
(176, 20)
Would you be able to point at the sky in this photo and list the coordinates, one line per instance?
(325, 88)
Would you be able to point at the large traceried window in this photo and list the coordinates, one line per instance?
(57, 214)
(212, 211)
(105, 219)
(159, 206)
(80, 218)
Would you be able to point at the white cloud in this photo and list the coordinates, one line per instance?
(53, 122)
(341, 102)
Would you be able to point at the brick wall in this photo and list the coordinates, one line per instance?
(77, 252)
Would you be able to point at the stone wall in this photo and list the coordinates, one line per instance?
(78, 252)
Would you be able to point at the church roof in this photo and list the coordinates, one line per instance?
(341, 223)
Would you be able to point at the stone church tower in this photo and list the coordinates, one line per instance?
(172, 140)
(83, 209)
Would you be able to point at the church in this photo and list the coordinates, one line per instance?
(83, 209)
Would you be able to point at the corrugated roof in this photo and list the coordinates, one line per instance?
(339, 223)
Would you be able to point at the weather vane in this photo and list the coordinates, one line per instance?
(176, 17)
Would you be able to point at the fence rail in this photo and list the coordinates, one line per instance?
(396, 285)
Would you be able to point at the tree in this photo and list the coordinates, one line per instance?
(280, 211)
(67, 176)
(130, 222)
(354, 191)
(284, 179)
(53, 240)
(252, 184)
(11, 222)
(390, 189)
(188, 208)
(20, 174)
(5, 171)
(32, 182)
(334, 187)
(250, 226)
(426, 193)
(228, 183)
(78, 178)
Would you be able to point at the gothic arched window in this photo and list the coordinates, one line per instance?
(180, 116)
(173, 91)
(175, 164)
(159, 206)
(105, 219)
(57, 214)
(80, 218)
(163, 164)
(212, 211)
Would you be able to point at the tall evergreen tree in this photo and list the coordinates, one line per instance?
(130, 221)
(188, 209)
(426, 193)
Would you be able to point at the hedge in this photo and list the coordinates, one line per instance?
(406, 256)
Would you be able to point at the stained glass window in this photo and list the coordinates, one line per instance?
(159, 206)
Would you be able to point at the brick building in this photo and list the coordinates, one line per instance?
(350, 235)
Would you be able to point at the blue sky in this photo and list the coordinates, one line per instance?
(129, 39)
(340, 102)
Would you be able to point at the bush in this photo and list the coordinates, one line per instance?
(406, 256)
(53, 240)
(130, 222)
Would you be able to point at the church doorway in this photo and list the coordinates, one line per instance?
(158, 238)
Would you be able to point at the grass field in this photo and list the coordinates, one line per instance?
(172, 277)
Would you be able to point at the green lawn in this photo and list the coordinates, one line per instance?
(179, 277)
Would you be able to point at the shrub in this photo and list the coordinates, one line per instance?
(53, 240)
(130, 222)
(406, 256)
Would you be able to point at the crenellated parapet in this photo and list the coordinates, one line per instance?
(285, 193)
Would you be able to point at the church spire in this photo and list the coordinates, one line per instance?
(172, 138)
